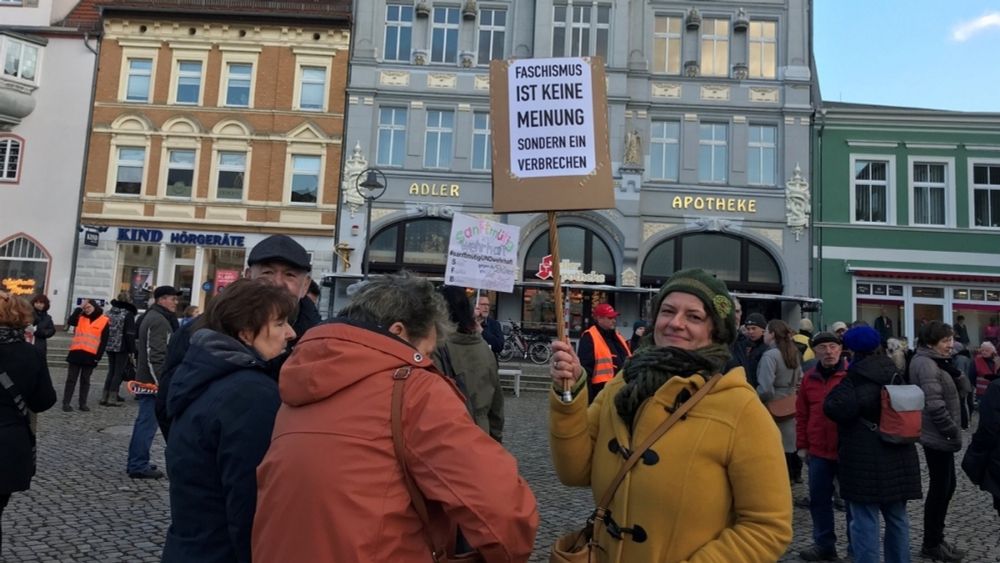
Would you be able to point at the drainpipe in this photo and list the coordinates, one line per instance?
(86, 158)
(818, 230)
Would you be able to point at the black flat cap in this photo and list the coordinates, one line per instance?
(165, 290)
(756, 319)
(280, 248)
(823, 338)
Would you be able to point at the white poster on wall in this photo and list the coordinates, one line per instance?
(482, 254)
(552, 129)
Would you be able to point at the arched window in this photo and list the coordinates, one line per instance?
(418, 245)
(744, 265)
(24, 266)
(11, 151)
(578, 245)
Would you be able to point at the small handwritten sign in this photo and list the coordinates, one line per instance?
(482, 254)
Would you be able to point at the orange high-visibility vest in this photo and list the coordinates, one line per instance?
(87, 336)
(604, 362)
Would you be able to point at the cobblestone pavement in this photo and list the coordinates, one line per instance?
(82, 506)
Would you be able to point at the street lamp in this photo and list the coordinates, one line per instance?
(370, 190)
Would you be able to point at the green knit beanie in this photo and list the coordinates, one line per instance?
(712, 292)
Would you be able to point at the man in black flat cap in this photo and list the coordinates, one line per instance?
(157, 326)
(278, 259)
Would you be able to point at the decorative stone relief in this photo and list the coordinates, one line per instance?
(797, 202)
(633, 149)
(420, 57)
(714, 92)
(715, 224)
(435, 210)
(629, 278)
(352, 169)
(764, 95)
(394, 78)
(666, 90)
(435, 80)
(651, 229)
(482, 82)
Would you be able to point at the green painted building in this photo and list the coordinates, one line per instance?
(906, 216)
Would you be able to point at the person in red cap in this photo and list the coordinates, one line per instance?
(602, 350)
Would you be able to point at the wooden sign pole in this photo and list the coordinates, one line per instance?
(567, 395)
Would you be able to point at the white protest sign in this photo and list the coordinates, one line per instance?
(482, 254)
(552, 129)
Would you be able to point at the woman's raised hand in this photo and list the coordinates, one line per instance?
(564, 366)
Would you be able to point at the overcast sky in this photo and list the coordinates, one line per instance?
(942, 54)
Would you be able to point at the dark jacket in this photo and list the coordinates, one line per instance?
(870, 469)
(982, 458)
(814, 431)
(86, 359)
(222, 402)
(493, 334)
(27, 368)
(306, 318)
(755, 351)
(155, 330)
(941, 425)
(473, 363)
(44, 330)
(121, 327)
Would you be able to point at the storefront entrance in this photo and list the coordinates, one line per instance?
(24, 266)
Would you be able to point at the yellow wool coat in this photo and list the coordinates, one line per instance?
(719, 491)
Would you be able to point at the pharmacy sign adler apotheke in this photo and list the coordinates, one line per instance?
(550, 135)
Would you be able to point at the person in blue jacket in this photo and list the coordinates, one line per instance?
(222, 403)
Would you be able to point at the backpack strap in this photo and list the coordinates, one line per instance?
(8, 384)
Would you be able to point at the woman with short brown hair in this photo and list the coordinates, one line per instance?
(25, 389)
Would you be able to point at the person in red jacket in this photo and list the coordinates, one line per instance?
(816, 435)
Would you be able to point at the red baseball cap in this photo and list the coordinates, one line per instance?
(605, 310)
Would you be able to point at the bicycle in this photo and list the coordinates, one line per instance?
(534, 347)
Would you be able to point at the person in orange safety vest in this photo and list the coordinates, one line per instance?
(85, 351)
(602, 350)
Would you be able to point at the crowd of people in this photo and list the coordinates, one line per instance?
(382, 438)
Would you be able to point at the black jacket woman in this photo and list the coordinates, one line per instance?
(876, 477)
(121, 348)
(44, 328)
(222, 402)
(982, 458)
(26, 374)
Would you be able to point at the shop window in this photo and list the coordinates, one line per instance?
(225, 265)
(715, 47)
(744, 265)
(398, 32)
(24, 266)
(419, 245)
(137, 273)
(891, 313)
(10, 158)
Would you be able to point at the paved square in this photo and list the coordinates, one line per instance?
(83, 507)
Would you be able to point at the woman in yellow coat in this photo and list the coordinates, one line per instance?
(714, 488)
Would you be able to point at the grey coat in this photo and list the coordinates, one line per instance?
(942, 415)
(774, 381)
(473, 362)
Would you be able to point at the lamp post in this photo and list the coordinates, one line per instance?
(370, 189)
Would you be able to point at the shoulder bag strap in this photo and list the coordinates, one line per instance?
(416, 497)
(651, 439)
(8, 384)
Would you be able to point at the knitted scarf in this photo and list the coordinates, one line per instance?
(652, 366)
(10, 335)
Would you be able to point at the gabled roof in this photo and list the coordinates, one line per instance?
(83, 16)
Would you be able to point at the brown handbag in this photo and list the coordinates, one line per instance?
(784, 408)
(580, 546)
(439, 553)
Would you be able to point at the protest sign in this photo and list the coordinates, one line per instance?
(482, 254)
(550, 135)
